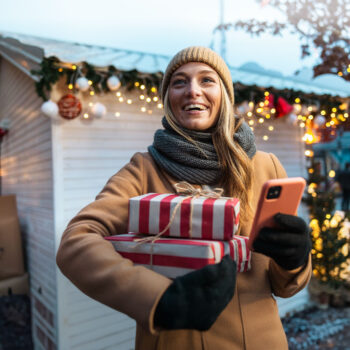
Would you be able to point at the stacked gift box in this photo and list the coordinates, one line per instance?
(175, 234)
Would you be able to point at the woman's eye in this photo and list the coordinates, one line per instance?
(179, 81)
(208, 80)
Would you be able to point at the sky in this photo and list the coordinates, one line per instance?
(156, 26)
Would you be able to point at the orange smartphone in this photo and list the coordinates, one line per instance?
(276, 196)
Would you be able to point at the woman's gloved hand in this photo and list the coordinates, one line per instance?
(195, 300)
(289, 244)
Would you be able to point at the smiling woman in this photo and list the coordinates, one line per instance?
(204, 144)
(195, 96)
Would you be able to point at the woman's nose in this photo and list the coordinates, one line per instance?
(193, 89)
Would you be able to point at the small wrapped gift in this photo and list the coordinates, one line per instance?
(176, 215)
(173, 257)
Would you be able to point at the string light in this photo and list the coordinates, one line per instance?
(142, 87)
(160, 105)
(121, 99)
(118, 94)
(273, 110)
(92, 93)
(117, 114)
(268, 116)
(142, 97)
(265, 137)
(309, 153)
(129, 101)
(60, 70)
(70, 86)
(154, 89)
(261, 120)
(155, 99)
(331, 173)
(297, 100)
(148, 100)
(74, 67)
(323, 112)
(90, 104)
(266, 93)
(90, 82)
(86, 116)
(251, 122)
(143, 109)
(271, 128)
(334, 109)
(249, 114)
(137, 83)
(302, 125)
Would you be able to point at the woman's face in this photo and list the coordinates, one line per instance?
(195, 96)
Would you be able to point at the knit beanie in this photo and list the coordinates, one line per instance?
(202, 55)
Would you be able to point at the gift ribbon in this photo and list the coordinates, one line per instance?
(185, 189)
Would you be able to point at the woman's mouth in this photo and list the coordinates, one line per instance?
(195, 107)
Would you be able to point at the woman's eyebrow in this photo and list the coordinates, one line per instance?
(204, 71)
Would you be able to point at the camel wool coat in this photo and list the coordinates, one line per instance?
(249, 322)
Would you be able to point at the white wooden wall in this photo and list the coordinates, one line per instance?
(27, 172)
(87, 155)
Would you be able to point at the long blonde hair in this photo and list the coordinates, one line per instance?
(235, 165)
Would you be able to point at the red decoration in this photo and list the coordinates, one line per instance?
(3, 132)
(281, 106)
(69, 106)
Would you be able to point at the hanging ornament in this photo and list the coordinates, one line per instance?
(113, 83)
(69, 106)
(50, 109)
(82, 84)
(319, 120)
(281, 106)
(98, 110)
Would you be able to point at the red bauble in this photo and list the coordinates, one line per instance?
(69, 106)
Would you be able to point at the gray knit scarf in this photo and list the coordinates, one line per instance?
(184, 161)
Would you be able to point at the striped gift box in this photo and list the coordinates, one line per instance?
(173, 257)
(211, 219)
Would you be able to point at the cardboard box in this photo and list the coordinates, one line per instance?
(15, 285)
(11, 252)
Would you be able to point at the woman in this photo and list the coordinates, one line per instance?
(203, 144)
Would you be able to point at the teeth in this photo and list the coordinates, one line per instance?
(195, 106)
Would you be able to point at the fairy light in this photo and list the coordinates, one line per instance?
(328, 124)
(314, 194)
(74, 67)
(90, 104)
(271, 128)
(273, 110)
(309, 153)
(155, 99)
(311, 171)
(310, 117)
(251, 104)
(121, 99)
(323, 112)
(331, 122)
(142, 87)
(265, 137)
(261, 104)
(331, 173)
(251, 128)
(334, 109)
(137, 84)
(60, 70)
(309, 108)
(70, 86)
(117, 114)
(150, 111)
(129, 101)
(160, 105)
(328, 216)
(251, 122)
(268, 116)
(302, 124)
(308, 137)
(249, 114)
(143, 109)
(261, 120)
(346, 115)
(86, 116)
(142, 97)
(92, 93)
(266, 93)
(297, 100)
(340, 74)
(148, 99)
(118, 94)
(154, 89)
(300, 117)
(259, 110)
(90, 82)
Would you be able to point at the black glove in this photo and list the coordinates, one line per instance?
(289, 244)
(195, 300)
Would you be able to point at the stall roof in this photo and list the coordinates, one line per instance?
(34, 49)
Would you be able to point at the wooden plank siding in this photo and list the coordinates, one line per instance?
(27, 173)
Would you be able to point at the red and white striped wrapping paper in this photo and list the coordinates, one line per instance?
(212, 219)
(174, 257)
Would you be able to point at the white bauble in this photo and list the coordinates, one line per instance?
(50, 109)
(292, 118)
(82, 84)
(98, 110)
(319, 120)
(113, 83)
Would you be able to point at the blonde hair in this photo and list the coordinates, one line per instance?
(235, 164)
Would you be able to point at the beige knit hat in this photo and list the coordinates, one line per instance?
(203, 55)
